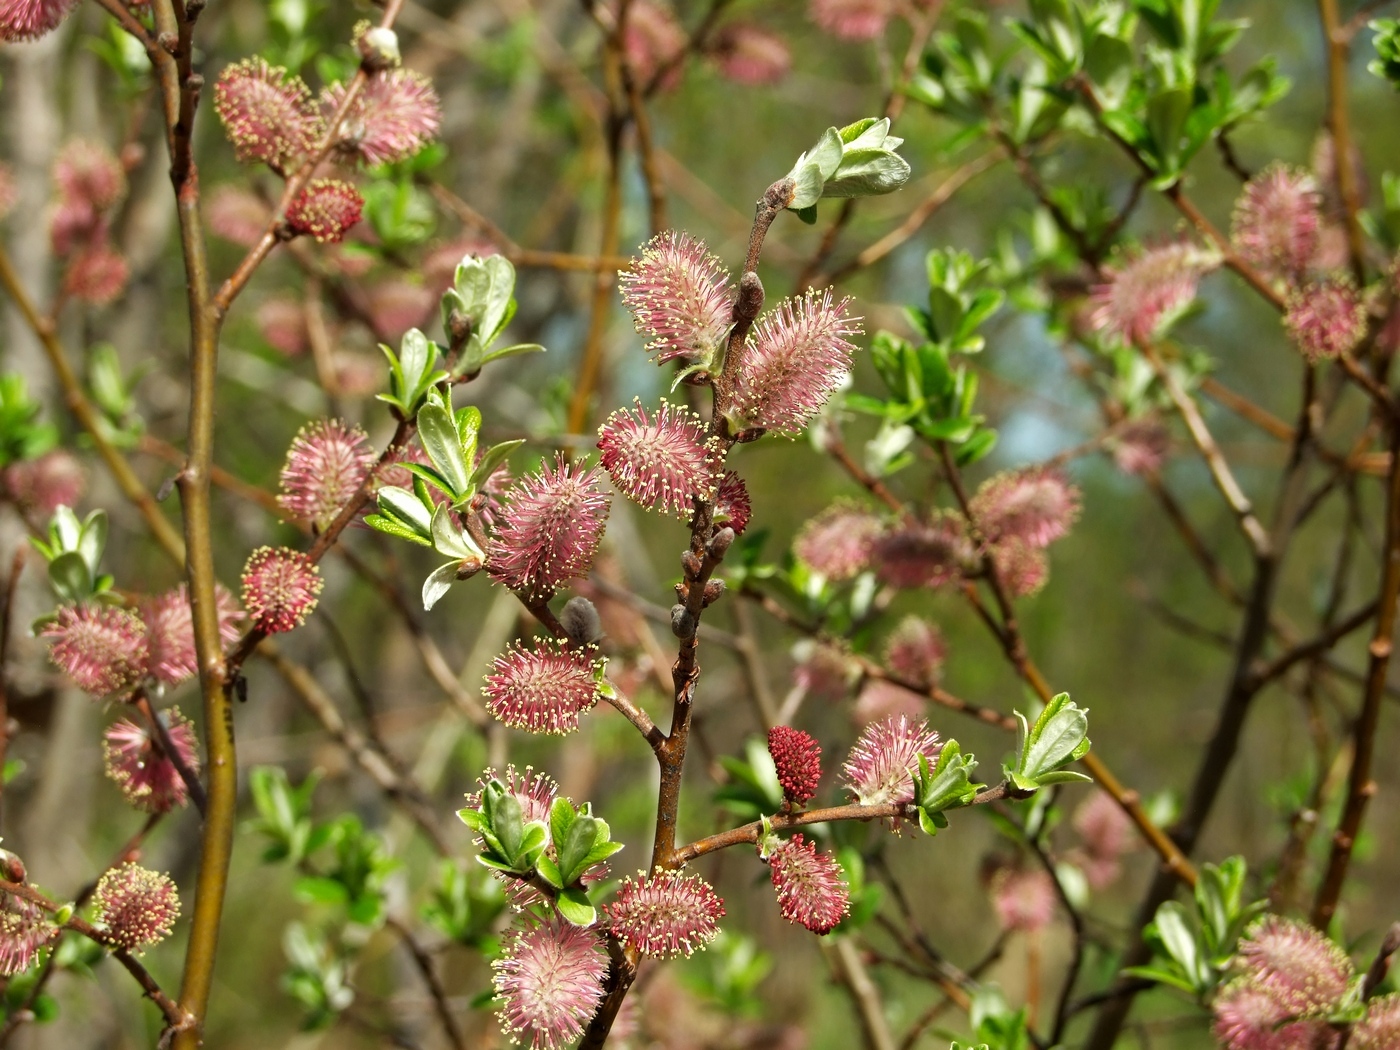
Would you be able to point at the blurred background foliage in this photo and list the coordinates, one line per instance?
(519, 81)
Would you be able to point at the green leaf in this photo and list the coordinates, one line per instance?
(451, 541)
(808, 189)
(549, 871)
(316, 889)
(1174, 929)
(70, 578)
(393, 527)
(575, 907)
(828, 152)
(575, 846)
(512, 350)
(492, 458)
(868, 173)
(406, 508)
(438, 583)
(473, 819)
(443, 446)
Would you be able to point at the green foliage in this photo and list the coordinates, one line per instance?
(928, 393)
(74, 553)
(412, 373)
(728, 974)
(752, 789)
(1191, 946)
(476, 310)
(947, 785)
(858, 160)
(317, 976)
(114, 396)
(465, 904)
(1060, 736)
(22, 436)
(342, 875)
(554, 857)
(1386, 64)
(866, 896)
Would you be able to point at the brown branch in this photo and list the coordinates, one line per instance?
(836, 448)
(1008, 633)
(1314, 647)
(6, 616)
(850, 969)
(1205, 443)
(1339, 123)
(167, 747)
(522, 257)
(176, 1019)
(424, 962)
(753, 831)
(88, 417)
(373, 762)
(1360, 785)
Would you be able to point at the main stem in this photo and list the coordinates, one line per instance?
(703, 558)
(179, 90)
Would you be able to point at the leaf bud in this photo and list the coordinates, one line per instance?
(580, 621)
(682, 623)
(720, 542)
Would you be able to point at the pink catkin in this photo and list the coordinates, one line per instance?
(732, 506)
(170, 627)
(851, 19)
(42, 485)
(104, 649)
(282, 324)
(394, 116)
(880, 700)
(549, 531)
(810, 886)
(146, 777)
(839, 542)
(28, 19)
(237, 215)
(280, 588)
(1024, 900)
(395, 306)
(750, 54)
(550, 981)
(97, 274)
(136, 907)
(266, 112)
(662, 461)
(821, 671)
(881, 764)
(326, 464)
(798, 759)
(24, 930)
(652, 41)
(679, 296)
(665, 914)
(923, 554)
(543, 689)
(1277, 221)
(1145, 289)
(1033, 506)
(795, 358)
(325, 209)
(915, 651)
(1326, 319)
